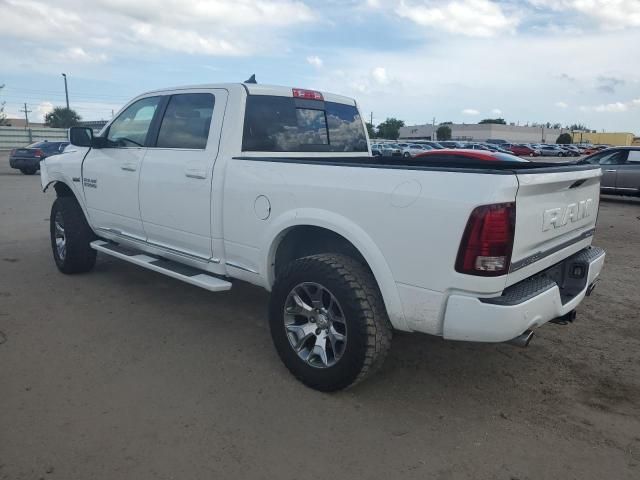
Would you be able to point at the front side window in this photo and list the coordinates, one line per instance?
(131, 127)
(285, 124)
(186, 121)
(612, 158)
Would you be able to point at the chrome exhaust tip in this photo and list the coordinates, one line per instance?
(522, 340)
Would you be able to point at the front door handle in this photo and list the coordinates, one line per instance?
(611, 171)
(129, 167)
(195, 173)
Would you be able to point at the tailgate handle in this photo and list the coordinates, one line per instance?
(577, 183)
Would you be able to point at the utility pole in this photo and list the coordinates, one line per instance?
(66, 91)
(434, 135)
(26, 115)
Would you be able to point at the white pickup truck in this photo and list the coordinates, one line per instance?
(277, 187)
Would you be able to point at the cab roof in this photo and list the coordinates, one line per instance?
(260, 89)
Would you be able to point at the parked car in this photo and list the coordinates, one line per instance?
(27, 159)
(523, 150)
(450, 144)
(620, 170)
(386, 150)
(496, 147)
(552, 151)
(570, 150)
(476, 146)
(414, 149)
(432, 144)
(460, 155)
(594, 149)
(244, 182)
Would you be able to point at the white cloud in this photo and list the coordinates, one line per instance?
(496, 111)
(379, 74)
(42, 109)
(611, 14)
(221, 27)
(80, 55)
(615, 107)
(561, 104)
(470, 111)
(315, 61)
(475, 18)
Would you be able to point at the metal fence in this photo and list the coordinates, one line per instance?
(13, 137)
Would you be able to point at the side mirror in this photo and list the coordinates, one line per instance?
(81, 136)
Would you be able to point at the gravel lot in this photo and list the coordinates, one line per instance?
(124, 373)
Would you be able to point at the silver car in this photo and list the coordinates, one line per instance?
(620, 170)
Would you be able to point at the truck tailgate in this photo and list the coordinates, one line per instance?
(556, 210)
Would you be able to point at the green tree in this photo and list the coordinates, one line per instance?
(579, 126)
(61, 117)
(371, 130)
(390, 128)
(497, 121)
(444, 132)
(3, 116)
(565, 139)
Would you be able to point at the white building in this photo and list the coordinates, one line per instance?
(487, 131)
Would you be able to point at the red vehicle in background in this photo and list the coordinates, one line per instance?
(594, 149)
(523, 151)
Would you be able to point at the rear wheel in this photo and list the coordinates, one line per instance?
(406, 155)
(328, 322)
(70, 237)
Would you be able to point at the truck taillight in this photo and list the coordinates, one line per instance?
(487, 241)
(307, 94)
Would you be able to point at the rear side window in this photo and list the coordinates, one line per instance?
(634, 157)
(285, 124)
(186, 121)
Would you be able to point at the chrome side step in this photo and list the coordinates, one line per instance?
(194, 276)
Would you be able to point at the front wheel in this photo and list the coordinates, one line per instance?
(328, 322)
(71, 237)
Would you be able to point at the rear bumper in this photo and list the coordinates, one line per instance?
(17, 162)
(523, 306)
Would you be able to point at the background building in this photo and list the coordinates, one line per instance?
(612, 138)
(486, 131)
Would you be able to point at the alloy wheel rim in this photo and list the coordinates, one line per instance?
(315, 325)
(59, 236)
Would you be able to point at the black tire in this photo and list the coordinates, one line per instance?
(368, 326)
(406, 155)
(78, 256)
(28, 171)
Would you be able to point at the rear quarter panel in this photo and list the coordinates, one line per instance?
(406, 223)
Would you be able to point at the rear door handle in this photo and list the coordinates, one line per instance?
(129, 167)
(612, 171)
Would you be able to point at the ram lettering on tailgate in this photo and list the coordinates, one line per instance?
(559, 217)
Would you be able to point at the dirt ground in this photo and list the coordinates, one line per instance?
(124, 373)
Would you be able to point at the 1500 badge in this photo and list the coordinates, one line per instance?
(90, 182)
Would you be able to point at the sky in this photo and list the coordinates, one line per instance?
(566, 61)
